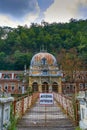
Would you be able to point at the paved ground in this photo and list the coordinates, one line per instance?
(42, 117)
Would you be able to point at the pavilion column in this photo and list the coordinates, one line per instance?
(30, 83)
(59, 85)
(40, 85)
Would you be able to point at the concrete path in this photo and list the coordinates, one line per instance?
(45, 118)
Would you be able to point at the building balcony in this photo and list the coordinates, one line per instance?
(46, 75)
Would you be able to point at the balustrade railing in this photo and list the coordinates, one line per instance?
(70, 106)
(20, 105)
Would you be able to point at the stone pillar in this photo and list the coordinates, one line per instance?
(30, 82)
(59, 85)
(40, 85)
(50, 88)
(23, 91)
(83, 110)
(5, 112)
(50, 85)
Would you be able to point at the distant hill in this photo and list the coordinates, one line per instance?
(18, 45)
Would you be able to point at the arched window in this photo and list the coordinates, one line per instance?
(55, 87)
(35, 87)
(19, 87)
(44, 61)
(12, 86)
(45, 88)
(6, 87)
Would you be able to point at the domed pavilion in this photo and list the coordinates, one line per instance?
(44, 74)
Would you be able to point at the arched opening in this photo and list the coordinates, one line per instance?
(55, 87)
(45, 88)
(35, 87)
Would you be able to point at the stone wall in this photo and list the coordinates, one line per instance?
(21, 105)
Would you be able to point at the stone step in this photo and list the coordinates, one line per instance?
(57, 123)
(46, 128)
(47, 117)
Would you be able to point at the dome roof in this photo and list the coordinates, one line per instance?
(37, 59)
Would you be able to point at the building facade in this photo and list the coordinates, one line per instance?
(79, 83)
(44, 74)
(10, 81)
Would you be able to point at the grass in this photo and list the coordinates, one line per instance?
(78, 128)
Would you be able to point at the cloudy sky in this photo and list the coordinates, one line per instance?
(21, 12)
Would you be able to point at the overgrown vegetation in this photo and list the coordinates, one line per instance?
(18, 45)
(78, 128)
(13, 120)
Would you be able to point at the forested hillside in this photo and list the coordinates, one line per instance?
(18, 45)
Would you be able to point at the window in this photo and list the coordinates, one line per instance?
(81, 85)
(19, 88)
(6, 87)
(68, 86)
(6, 76)
(12, 86)
(35, 87)
(55, 87)
(0, 87)
(17, 77)
(44, 72)
(44, 61)
(71, 87)
(85, 85)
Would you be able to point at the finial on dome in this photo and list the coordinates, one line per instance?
(42, 49)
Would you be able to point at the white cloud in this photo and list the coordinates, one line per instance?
(31, 17)
(63, 11)
(84, 2)
(59, 11)
(8, 20)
